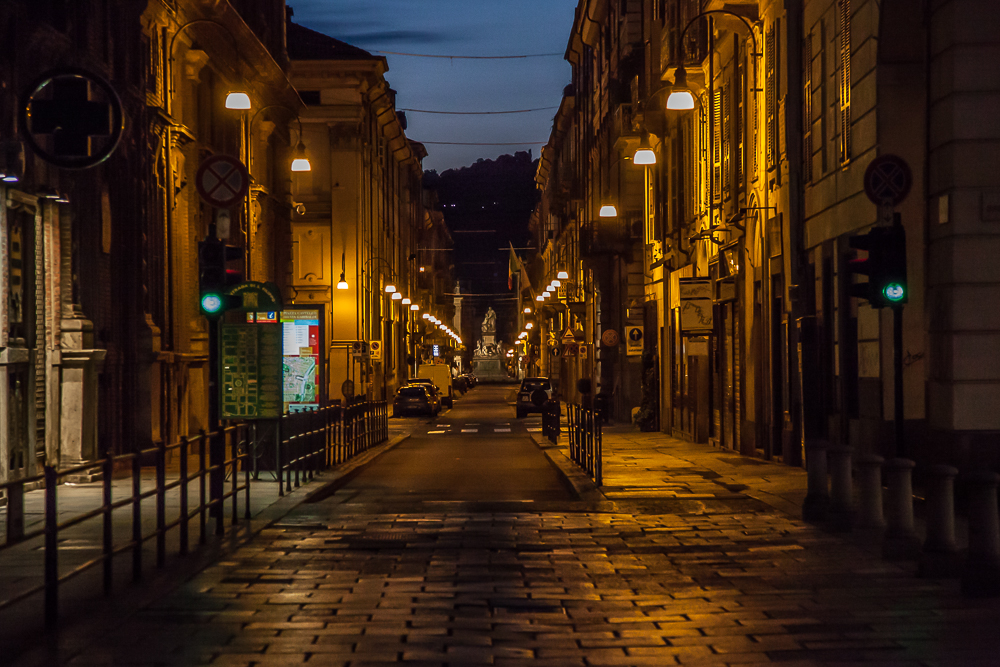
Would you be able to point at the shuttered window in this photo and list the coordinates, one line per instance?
(727, 141)
(807, 109)
(771, 98)
(740, 97)
(716, 145)
(845, 81)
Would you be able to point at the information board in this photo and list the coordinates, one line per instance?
(251, 371)
(301, 358)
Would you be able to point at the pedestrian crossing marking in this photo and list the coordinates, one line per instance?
(435, 432)
(442, 425)
(470, 430)
(501, 430)
(534, 430)
(473, 424)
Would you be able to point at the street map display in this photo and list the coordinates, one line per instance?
(301, 359)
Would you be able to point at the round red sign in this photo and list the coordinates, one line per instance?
(222, 181)
(609, 337)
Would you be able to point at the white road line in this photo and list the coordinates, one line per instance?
(435, 432)
(443, 425)
(470, 430)
(534, 430)
(472, 424)
(501, 430)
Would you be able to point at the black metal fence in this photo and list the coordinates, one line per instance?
(315, 439)
(583, 427)
(206, 478)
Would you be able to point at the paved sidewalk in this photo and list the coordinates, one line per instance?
(640, 465)
(22, 565)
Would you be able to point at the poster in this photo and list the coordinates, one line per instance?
(300, 342)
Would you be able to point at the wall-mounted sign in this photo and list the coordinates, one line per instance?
(375, 349)
(696, 304)
(610, 337)
(633, 340)
(222, 181)
(72, 118)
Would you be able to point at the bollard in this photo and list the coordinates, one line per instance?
(940, 554)
(817, 500)
(841, 509)
(901, 541)
(981, 571)
(870, 515)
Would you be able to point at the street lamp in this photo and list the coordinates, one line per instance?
(406, 301)
(644, 155)
(237, 100)
(608, 211)
(681, 98)
(342, 284)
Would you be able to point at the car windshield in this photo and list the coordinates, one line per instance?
(412, 392)
(531, 384)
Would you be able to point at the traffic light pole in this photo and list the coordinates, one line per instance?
(897, 377)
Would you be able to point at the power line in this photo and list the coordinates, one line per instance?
(478, 113)
(425, 55)
(467, 143)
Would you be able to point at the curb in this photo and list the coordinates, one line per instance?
(575, 479)
(335, 479)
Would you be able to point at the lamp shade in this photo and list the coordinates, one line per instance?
(539, 298)
(343, 282)
(237, 101)
(414, 307)
(644, 156)
(390, 288)
(562, 275)
(680, 98)
(300, 161)
(608, 211)
(406, 301)
(397, 296)
(556, 283)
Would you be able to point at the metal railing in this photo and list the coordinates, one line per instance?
(212, 462)
(583, 427)
(205, 465)
(315, 439)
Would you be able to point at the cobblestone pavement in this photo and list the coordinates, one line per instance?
(331, 586)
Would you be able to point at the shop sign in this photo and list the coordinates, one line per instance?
(695, 304)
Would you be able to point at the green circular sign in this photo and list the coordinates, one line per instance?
(894, 292)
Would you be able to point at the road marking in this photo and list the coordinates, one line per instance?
(534, 430)
(435, 432)
(470, 430)
(501, 430)
(472, 424)
(443, 425)
(503, 423)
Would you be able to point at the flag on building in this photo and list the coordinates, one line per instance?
(513, 268)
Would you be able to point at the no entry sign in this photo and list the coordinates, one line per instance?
(222, 181)
(888, 180)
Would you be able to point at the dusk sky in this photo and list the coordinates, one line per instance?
(466, 28)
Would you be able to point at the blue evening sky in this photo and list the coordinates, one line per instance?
(461, 27)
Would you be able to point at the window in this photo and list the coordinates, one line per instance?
(807, 109)
(771, 54)
(310, 97)
(845, 81)
(717, 145)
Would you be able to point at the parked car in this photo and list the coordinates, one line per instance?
(524, 403)
(415, 399)
(432, 388)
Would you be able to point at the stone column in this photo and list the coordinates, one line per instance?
(901, 541)
(80, 367)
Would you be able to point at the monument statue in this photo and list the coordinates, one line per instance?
(490, 321)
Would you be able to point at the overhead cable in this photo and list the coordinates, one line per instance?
(478, 113)
(469, 143)
(425, 55)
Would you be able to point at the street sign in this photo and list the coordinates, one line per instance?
(584, 351)
(375, 349)
(71, 118)
(347, 389)
(250, 371)
(222, 181)
(568, 336)
(888, 180)
(610, 337)
(571, 349)
(251, 295)
(555, 352)
(359, 348)
(633, 341)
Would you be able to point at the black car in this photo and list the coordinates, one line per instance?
(525, 401)
(414, 399)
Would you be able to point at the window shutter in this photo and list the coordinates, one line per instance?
(727, 141)
(741, 140)
(716, 145)
(807, 112)
(771, 101)
(845, 81)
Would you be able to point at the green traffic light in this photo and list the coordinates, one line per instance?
(894, 292)
(211, 303)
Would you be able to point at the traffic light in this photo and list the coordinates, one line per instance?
(885, 267)
(214, 278)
